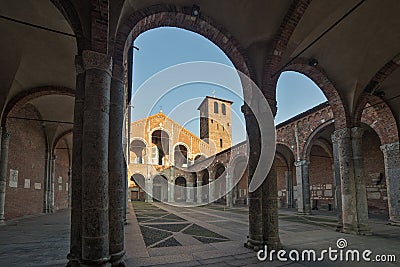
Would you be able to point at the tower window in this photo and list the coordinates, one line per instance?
(212, 121)
(223, 108)
(220, 142)
(217, 126)
(228, 124)
(215, 107)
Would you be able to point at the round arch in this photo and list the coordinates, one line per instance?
(318, 76)
(24, 97)
(177, 16)
(376, 113)
(308, 145)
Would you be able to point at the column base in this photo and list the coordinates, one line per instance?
(104, 262)
(304, 213)
(275, 244)
(117, 260)
(255, 245)
(364, 230)
(339, 228)
(73, 261)
(350, 229)
(394, 223)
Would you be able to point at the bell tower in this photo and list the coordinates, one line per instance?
(216, 122)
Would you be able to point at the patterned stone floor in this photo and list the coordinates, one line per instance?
(161, 228)
(186, 237)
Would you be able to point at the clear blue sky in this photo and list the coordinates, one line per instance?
(164, 47)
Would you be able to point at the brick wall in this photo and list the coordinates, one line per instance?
(374, 170)
(321, 179)
(61, 181)
(27, 156)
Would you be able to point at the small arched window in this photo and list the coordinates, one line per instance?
(223, 108)
(215, 107)
(220, 143)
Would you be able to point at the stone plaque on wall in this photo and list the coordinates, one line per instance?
(60, 188)
(38, 186)
(13, 178)
(27, 183)
(66, 187)
(59, 179)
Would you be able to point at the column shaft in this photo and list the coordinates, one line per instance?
(337, 182)
(52, 178)
(5, 137)
(76, 178)
(359, 179)
(349, 204)
(229, 190)
(189, 192)
(289, 189)
(95, 221)
(303, 187)
(391, 153)
(199, 191)
(117, 180)
(270, 210)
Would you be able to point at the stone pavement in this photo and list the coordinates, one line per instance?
(205, 236)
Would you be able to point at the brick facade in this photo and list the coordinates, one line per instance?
(26, 155)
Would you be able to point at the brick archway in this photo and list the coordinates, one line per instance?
(176, 16)
(376, 113)
(24, 97)
(319, 77)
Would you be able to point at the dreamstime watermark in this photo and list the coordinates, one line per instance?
(331, 254)
(163, 85)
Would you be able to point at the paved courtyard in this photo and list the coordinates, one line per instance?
(163, 235)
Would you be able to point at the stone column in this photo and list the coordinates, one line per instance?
(69, 188)
(391, 153)
(211, 189)
(359, 179)
(270, 210)
(95, 221)
(116, 167)
(337, 188)
(289, 189)
(229, 190)
(46, 184)
(148, 184)
(75, 253)
(303, 187)
(199, 192)
(171, 191)
(5, 138)
(349, 204)
(255, 239)
(52, 178)
(189, 192)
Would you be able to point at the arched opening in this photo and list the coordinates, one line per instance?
(220, 183)
(160, 148)
(296, 93)
(181, 156)
(138, 152)
(240, 173)
(137, 185)
(374, 174)
(180, 192)
(285, 176)
(160, 188)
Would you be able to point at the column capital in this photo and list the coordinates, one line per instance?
(340, 134)
(390, 147)
(96, 60)
(300, 163)
(357, 132)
